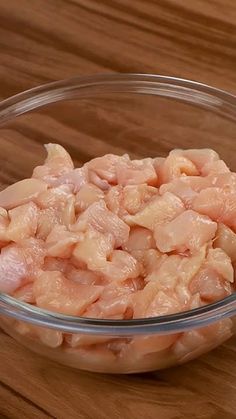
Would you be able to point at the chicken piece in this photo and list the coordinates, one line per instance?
(19, 263)
(94, 249)
(60, 242)
(199, 157)
(114, 302)
(151, 344)
(48, 218)
(13, 269)
(188, 231)
(129, 199)
(56, 264)
(217, 205)
(82, 276)
(181, 189)
(114, 200)
(25, 294)
(158, 211)
(49, 337)
(87, 195)
(56, 293)
(163, 304)
(210, 285)
(177, 270)
(136, 172)
(136, 196)
(75, 179)
(21, 192)
(226, 240)
(225, 181)
(98, 217)
(221, 263)
(214, 168)
(120, 267)
(140, 238)
(195, 342)
(68, 214)
(149, 260)
(175, 166)
(54, 197)
(34, 250)
(4, 222)
(57, 163)
(105, 166)
(23, 222)
(167, 273)
(153, 302)
(80, 340)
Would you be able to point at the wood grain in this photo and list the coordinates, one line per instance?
(45, 40)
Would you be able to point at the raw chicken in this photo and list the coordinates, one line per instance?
(56, 293)
(158, 211)
(21, 192)
(188, 231)
(98, 217)
(57, 163)
(121, 239)
(23, 222)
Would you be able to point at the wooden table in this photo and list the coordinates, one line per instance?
(45, 40)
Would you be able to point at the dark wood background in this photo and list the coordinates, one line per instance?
(46, 40)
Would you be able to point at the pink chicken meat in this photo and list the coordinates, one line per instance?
(120, 239)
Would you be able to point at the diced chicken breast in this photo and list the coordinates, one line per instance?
(225, 181)
(152, 302)
(188, 231)
(56, 264)
(226, 240)
(54, 197)
(87, 195)
(82, 276)
(199, 157)
(215, 168)
(114, 200)
(120, 267)
(158, 211)
(174, 166)
(4, 222)
(114, 302)
(98, 217)
(13, 269)
(60, 242)
(94, 249)
(19, 263)
(47, 219)
(105, 166)
(76, 178)
(136, 172)
(57, 163)
(221, 263)
(181, 189)
(25, 293)
(23, 222)
(140, 238)
(136, 196)
(21, 192)
(219, 206)
(49, 337)
(210, 285)
(56, 293)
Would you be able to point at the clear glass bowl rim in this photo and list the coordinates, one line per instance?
(207, 97)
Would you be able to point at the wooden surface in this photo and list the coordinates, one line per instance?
(45, 40)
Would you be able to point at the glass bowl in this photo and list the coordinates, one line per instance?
(144, 115)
